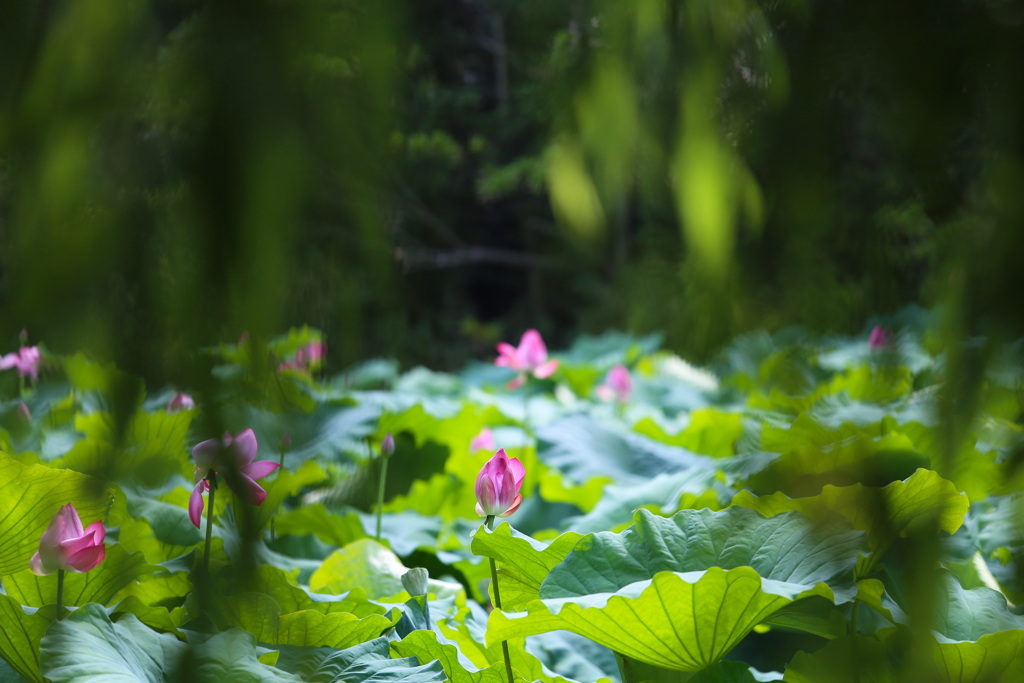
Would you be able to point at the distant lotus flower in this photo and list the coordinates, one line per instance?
(24, 413)
(66, 546)
(26, 360)
(233, 459)
(484, 441)
(881, 338)
(530, 357)
(617, 386)
(498, 484)
(180, 401)
(312, 354)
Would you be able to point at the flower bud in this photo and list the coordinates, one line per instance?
(415, 581)
(387, 446)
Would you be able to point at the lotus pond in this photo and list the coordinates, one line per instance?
(802, 509)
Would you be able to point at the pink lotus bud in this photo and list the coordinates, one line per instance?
(484, 441)
(66, 545)
(286, 442)
(617, 386)
(530, 357)
(498, 484)
(387, 446)
(881, 338)
(232, 457)
(180, 401)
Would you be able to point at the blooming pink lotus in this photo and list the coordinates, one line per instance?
(617, 386)
(311, 355)
(484, 441)
(180, 401)
(530, 357)
(66, 546)
(881, 338)
(232, 458)
(25, 360)
(498, 484)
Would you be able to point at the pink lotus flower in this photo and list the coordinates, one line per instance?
(26, 360)
(617, 386)
(180, 401)
(231, 458)
(66, 546)
(531, 357)
(311, 355)
(881, 338)
(498, 484)
(484, 441)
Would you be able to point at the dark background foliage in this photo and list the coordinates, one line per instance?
(420, 180)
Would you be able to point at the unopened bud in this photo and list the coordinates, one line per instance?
(387, 446)
(415, 581)
(286, 442)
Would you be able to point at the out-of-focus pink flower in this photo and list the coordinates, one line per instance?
(484, 441)
(498, 484)
(25, 360)
(180, 401)
(881, 338)
(387, 446)
(290, 365)
(24, 413)
(530, 357)
(232, 457)
(243, 338)
(312, 354)
(66, 545)
(617, 386)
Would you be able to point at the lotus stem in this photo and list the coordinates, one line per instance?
(60, 594)
(380, 491)
(211, 478)
(497, 603)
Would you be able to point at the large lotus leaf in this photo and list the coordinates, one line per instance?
(329, 527)
(788, 547)
(680, 621)
(812, 455)
(971, 467)
(664, 493)
(371, 566)
(150, 448)
(275, 583)
(261, 615)
(86, 647)
(167, 517)
(970, 614)
(375, 665)
(21, 629)
(156, 617)
(231, 656)
(425, 647)
(117, 570)
(329, 433)
(284, 483)
(995, 657)
(583, 448)
(32, 495)
(923, 500)
(523, 562)
(710, 431)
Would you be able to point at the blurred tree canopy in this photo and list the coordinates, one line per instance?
(422, 179)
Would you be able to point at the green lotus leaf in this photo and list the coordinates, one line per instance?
(261, 615)
(32, 496)
(971, 614)
(524, 562)
(680, 621)
(86, 647)
(788, 547)
(923, 500)
(425, 647)
(315, 519)
(710, 432)
(231, 656)
(367, 564)
(21, 629)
